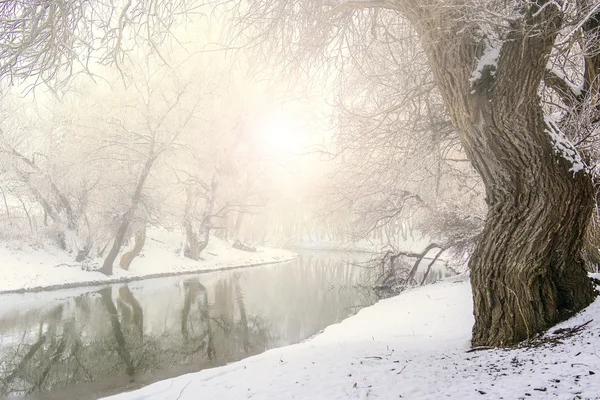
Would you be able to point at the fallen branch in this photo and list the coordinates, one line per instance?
(557, 336)
(564, 332)
(480, 348)
(67, 265)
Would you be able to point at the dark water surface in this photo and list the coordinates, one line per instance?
(91, 342)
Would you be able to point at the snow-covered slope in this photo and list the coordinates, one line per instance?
(23, 267)
(413, 346)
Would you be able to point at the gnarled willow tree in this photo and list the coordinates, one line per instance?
(491, 62)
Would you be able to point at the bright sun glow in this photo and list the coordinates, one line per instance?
(279, 133)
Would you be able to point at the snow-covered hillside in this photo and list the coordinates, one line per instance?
(413, 346)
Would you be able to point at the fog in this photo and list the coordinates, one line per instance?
(205, 132)
(365, 147)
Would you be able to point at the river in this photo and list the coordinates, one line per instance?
(91, 342)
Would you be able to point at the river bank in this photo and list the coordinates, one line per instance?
(25, 268)
(413, 346)
(162, 328)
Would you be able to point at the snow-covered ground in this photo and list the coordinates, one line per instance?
(413, 346)
(25, 268)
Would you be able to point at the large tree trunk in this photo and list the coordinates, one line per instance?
(527, 272)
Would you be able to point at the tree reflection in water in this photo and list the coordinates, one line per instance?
(150, 330)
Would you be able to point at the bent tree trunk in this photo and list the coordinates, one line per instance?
(527, 272)
(107, 266)
(140, 240)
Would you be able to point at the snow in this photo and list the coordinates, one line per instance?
(489, 59)
(24, 267)
(577, 90)
(563, 146)
(411, 346)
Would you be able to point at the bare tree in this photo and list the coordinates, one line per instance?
(160, 120)
(50, 42)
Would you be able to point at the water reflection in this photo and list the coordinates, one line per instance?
(122, 336)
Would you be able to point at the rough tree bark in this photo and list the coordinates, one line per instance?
(591, 93)
(591, 247)
(527, 272)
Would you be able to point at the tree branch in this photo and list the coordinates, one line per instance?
(562, 87)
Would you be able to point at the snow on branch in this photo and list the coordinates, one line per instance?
(563, 146)
(576, 90)
(568, 91)
(567, 37)
(558, 4)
